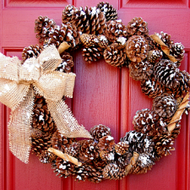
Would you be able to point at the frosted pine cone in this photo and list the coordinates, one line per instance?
(151, 87)
(154, 56)
(115, 29)
(165, 72)
(43, 25)
(107, 156)
(138, 142)
(124, 160)
(31, 51)
(140, 70)
(102, 41)
(137, 26)
(88, 40)
(88, 151)
(106, 143)
(68, 14)
(113, 56)
(108, 10)
(99, 131)
(91, 54)
(163, 146)
(177, 50)
(66, 64)
(121, 148)
(113, 171)
(47, 157)
(149, 123)
(165, 38)
(165, 106)
(137, 48)
(73, 149)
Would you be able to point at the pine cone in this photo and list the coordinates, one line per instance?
(124, 160)
(102, 41)
(165, 72)
(68, 14)
(31, 51)
(88, 151)
(121, 148)
(81, 173)
(66, 32)
(137, 48)
(113, 56)
(165, 38)
(73, 149)
(94, 175)
(107, 156)
(66, 64)
(137, 26)
(149, 123)
(163, 146)
(108, 10)
(99, 131)
(154, 56)
(151, 87)
(47, 157)
(113, 171)
(115, 29)
(138, 142)
(165, 106)
(140, 70)
(61, 142)
(91, 54)
(106, 143)
(63, 168)
(177, 50)
(43, 25)
(88, 40)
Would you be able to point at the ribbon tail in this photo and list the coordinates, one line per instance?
(65, 121)
(20, 128)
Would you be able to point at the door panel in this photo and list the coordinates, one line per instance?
(102, 94)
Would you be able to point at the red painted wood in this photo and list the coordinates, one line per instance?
(103, 94)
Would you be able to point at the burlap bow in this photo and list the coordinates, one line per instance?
(18, 85)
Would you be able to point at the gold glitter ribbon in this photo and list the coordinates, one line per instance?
(18, 85)
(164, 47)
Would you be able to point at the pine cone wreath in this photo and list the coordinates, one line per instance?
(66, 64)
(140, 70)
(149, 123)
(99, 131)
(138, 142)
(113, 171)
(137, 26)
(151, 87)
(108, 10)
(177, 50)
(31, 51)
(115, 29)
(92, 54)
(137, 48)
(113, 56)
(88, 151)
(43, 25)
(165, 106)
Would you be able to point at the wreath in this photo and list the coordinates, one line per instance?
(35, 89)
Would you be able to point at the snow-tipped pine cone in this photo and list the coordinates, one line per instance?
(137, 26)
(115, 29)
(140, 70)
(165, 106)
(154, 56)
(108, 10)
(114, 56)
(69, 13)
(121, 148)
(166, 38)
(149, 123)
(99, 131)
(137, 48)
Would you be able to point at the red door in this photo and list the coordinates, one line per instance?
(102, 94)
